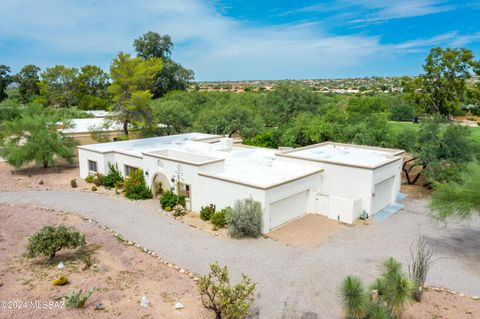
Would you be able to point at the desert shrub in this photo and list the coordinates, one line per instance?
(94, 188)
(134, 186)
(225, 299)
(354, 297)
(170, 199)
(207, 211)
(179, 210)
(218, 219)
(119, 184)
(98, 179)
(113, 177)
(390, 293)
(73, 183)
(245, 219)
(77, 299)
(421, 261)
(60, 281)
(89, 179)
(50, 239)
(168, 209)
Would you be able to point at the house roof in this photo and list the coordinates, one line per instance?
(346, 154)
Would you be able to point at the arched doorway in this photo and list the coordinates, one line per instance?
(160, 183)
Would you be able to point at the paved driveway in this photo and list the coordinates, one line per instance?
(292, 283)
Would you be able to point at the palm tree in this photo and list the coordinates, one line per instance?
(354, 298)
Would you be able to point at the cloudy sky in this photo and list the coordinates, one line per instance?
(240, 39)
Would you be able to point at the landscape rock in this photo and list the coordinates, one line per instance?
(99, 306)
(144, 302)
(179, 306)
(61, 265)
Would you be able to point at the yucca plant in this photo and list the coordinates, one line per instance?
(354, 298)
(420, 263)
(397, 287)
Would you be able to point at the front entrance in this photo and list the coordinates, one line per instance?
(160, 184)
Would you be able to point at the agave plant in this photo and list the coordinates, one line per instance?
(354, 298)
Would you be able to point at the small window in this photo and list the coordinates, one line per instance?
(185, 190)
(92, 166)
(129, 170)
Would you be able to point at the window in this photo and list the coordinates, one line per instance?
(129, 170)
(92, 166)
(185, 190)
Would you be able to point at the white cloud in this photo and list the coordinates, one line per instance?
(216, 47)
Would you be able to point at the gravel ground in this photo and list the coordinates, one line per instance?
(292, 283)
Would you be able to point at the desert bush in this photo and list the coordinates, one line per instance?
(94, 188)
(134, 186)
(170, 199)
(226, 300)
(50, 239)
(89, 179)
(179, 210)
(113, 177)
(218, 219)
(73, 183)
(98, 179)
(245, 219)
(390, 293)
(207, 211)
(354, 297)
(77, 299)
(421, 260)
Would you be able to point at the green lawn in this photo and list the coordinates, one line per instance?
(397, 126)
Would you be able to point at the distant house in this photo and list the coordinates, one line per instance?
(339, 181)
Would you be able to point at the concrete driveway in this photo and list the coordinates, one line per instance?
(292, 282)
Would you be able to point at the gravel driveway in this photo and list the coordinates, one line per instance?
(292, 283)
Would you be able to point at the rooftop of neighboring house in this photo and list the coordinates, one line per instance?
(91, 124)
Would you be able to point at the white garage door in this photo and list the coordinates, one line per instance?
(286, 209)
(382, 195)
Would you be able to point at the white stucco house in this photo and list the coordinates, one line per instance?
(339, 181)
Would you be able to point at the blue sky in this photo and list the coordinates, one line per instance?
(234, 40)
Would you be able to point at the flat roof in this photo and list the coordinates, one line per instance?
(91, 124)
(346, 154)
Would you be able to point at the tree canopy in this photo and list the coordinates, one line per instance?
(5, 80)
(33, 137)
(131, 88)
(27, 80)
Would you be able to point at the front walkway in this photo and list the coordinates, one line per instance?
(292, 282)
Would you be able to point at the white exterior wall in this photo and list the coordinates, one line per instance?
(84, 156)
(224, 193)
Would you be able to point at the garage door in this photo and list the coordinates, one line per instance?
(286, 209)
(382, 195)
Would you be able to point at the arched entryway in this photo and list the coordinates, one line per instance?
(160, 183)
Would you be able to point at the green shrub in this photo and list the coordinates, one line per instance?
(218, 219)
(207, 211)
(50, 239)
(245, 219)
(390, 293)
(73, 183)
(113, 177)
(98, 179)
(94, 188)
(134, 186)
(89, 179)
(225, 299)
(170, 199)
(77, 299)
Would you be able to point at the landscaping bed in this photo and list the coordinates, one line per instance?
(443, 304)
(120, 273)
